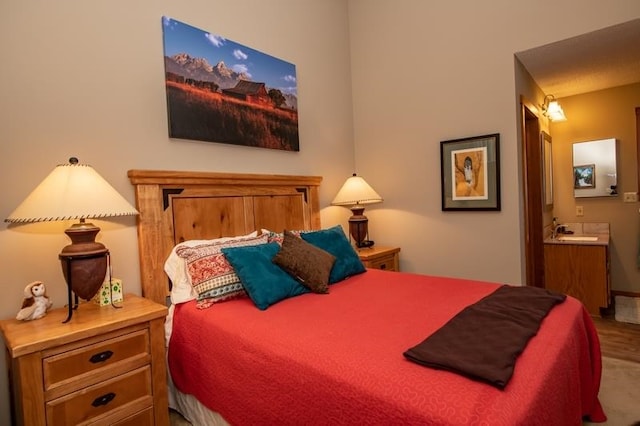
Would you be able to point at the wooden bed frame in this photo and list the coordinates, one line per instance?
(176, 206)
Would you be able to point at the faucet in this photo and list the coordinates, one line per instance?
(556, 230)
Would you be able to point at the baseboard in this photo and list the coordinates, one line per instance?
(624, 293)
(627, 309)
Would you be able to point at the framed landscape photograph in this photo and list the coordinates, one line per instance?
(225, 92)
(584, 176)
(470, 173)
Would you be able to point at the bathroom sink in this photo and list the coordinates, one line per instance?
(577, 238)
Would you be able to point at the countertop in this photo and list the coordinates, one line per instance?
(603, 240)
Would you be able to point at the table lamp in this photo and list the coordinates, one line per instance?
(356, 192)
(76, 191)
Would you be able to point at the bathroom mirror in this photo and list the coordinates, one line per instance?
(547, 169)
(594, 168)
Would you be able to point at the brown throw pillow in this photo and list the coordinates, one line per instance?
(307, 263)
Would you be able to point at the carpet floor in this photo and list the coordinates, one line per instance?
(620, 392)
(176, 419)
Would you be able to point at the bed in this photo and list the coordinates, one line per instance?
(337, 358)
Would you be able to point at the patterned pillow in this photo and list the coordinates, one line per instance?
(334, 241)
(308, 264)
(176, 269)
(265, 281)
(210, 274)
(277, 237)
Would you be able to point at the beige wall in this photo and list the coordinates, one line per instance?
(86, 79)
(601, 115)
(424, 72)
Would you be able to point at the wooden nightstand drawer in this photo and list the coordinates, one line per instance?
(114, 399)
(387, 263)
(380, 257)
(117, 355)
(143, 418)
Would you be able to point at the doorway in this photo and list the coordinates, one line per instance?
(533, 196)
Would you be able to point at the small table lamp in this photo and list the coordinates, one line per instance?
(76, 191)
(355, 193)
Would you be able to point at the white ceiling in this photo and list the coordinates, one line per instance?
(594, 61)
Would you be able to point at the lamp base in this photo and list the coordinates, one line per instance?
(84, 262)
(359, 227)
(365, 244)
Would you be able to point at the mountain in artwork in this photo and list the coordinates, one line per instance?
(200, 69)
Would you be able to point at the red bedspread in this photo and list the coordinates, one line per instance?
(337, 359)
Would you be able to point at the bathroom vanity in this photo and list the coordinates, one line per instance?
(578, 265)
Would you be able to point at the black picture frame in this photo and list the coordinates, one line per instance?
(470, 173)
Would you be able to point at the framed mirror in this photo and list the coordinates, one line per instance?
(547, 169)
(594, 168)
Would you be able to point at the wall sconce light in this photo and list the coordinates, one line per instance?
(76, 191)
(355, 193)
(552, 109)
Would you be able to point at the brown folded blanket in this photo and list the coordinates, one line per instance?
(483, 340)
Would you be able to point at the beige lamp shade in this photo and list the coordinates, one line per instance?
(356, 191)
(76, 191)
(71, 191)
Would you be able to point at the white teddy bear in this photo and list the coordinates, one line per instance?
(36, 303)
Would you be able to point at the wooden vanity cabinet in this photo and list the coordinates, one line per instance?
(581, 271)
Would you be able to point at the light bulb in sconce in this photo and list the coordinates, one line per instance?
(552, 109)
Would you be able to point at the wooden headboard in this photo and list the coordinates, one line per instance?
(177, 206)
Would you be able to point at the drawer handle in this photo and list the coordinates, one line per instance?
(103, 400)
(101, 357)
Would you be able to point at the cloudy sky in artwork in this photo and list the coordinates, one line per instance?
(259, 67)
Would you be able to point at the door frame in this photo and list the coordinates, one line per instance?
(533, 205)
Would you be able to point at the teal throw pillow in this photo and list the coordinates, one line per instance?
(265, 282)
(335, 242)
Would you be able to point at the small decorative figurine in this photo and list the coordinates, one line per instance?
(36, 303)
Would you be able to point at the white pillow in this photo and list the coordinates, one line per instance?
(176, 269)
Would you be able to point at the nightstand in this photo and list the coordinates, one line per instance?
(380, 257)
(106, 365)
